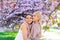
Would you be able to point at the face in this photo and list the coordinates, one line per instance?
(35, 17)
(28, 19)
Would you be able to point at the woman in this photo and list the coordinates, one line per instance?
(36, 27)
(25, 30)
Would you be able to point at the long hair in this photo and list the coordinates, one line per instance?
(38, 13)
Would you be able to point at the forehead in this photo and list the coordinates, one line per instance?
(28, 16)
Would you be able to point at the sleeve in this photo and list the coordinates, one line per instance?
(40, 32)
(32, 32)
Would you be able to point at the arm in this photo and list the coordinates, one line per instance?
(24, 32)
(40, 33)
(32, 32)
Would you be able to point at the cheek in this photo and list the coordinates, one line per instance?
(30, 20)
(34, 18)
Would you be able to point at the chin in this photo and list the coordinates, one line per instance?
(29, 22)
(33, 20)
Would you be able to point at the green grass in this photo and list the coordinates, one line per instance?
(7, 35)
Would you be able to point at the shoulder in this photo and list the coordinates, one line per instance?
(23, 26)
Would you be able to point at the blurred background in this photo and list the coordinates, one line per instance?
(12, 13)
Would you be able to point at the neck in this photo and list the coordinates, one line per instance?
(36, 22)
(26, 23)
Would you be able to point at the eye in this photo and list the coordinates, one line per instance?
(27, 18)
(30, 17)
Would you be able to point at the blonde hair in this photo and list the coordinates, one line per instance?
(38, 13)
